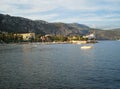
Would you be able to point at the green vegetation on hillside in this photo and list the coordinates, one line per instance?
(16, 38)
(10, 38)
(13, 24)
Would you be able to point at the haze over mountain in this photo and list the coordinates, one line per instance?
(22, 25)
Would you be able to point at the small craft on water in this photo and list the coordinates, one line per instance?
(86, 47)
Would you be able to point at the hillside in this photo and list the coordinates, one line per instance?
(21, 25)
(107, 34)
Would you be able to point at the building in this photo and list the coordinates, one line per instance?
(27, 36)
(46, 38)
(90, 36)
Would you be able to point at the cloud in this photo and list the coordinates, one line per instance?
(81, 11)
(47, 17)
(90, 18)
(26, 6)
(46, 5)
(92, 5)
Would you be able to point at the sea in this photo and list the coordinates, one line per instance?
(60, 66)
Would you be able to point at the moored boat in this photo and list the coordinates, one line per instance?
(86, 47)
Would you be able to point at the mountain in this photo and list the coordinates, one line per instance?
(21, 25)
(106, 34)
(117, 29)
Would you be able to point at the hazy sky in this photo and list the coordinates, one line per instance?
(94, 13)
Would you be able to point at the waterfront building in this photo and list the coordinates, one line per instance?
(27, 36)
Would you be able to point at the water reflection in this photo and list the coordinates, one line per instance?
(64, 66)
(37, 67)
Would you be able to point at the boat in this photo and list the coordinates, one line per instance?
(86, 47)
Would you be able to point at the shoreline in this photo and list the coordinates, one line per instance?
(65, 42)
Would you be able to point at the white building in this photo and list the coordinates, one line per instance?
(90, 36)
(27, 36)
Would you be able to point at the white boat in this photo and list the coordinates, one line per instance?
(86, 47)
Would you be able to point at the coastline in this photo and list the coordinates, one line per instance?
(59, 42)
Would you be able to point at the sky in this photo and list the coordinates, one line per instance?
(103, 14)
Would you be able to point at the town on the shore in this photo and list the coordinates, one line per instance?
(32, 37)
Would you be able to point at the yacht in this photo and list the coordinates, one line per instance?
(86, 47)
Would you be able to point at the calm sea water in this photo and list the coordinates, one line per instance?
(60, 66)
